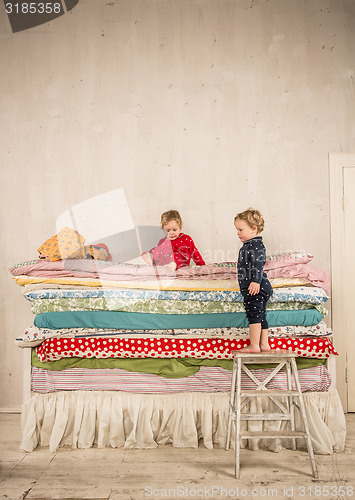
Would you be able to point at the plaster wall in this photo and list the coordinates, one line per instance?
(206, 106)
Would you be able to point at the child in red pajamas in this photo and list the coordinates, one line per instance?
(176, 249)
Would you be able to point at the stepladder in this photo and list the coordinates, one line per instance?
(284, 402)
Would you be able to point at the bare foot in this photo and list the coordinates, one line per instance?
(250, 348)
(265, 347)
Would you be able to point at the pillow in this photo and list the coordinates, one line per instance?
(277, 260)
(98, 251)
(286, 259)
(67, 244)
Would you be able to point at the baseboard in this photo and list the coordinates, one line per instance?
(10, 409)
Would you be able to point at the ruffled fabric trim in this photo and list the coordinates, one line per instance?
(107, 418)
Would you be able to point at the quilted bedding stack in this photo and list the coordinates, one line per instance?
(133, 344)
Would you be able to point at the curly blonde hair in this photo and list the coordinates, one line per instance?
(170, 215)
(252, 217)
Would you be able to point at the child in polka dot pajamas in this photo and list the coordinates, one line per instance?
(176, 249)
(254, 285)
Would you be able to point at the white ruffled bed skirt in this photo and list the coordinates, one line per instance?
(82, 419)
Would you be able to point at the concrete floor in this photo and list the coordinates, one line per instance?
(168, 472)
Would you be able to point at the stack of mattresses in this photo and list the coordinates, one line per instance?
(126, 355)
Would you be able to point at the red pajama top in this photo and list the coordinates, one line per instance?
(179, 251)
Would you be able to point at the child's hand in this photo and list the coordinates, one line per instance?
(147, 258)
(254, 288)
(171, 268)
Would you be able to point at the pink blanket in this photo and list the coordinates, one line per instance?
(102, 270)
(83, 268)
(305, 271)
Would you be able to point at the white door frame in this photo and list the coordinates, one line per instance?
(337, 163)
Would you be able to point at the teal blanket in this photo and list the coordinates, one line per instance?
(146, 321)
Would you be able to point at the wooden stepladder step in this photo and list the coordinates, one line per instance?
(239, 399)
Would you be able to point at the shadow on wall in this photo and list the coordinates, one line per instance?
(106, 219)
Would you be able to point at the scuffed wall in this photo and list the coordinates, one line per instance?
(206, 106)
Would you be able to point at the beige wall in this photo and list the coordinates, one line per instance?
(207, 106)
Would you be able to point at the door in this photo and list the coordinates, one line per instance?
(349, 264)
(342, 225)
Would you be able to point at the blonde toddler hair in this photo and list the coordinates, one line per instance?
(252, 217)
(170, 215)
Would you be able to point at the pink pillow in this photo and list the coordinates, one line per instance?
(286, 259)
